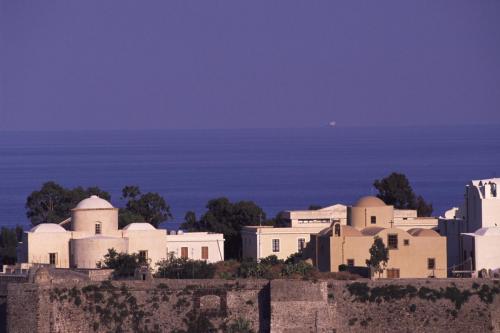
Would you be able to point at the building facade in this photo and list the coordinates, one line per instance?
(413, 253)
(94, 230)
(262, 241)
(467, 225)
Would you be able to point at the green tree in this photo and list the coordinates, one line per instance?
(9, 238)
(314, 207)
(149, 207)
(379, 255)
(279, 221)
(228, 218)
(123, 264)
(125, 217)
(396, 190)
(53, 203)
(190, 222)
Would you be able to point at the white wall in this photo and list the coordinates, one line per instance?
(194, 241)
(487, 252)
(40, 244)
(153, 241)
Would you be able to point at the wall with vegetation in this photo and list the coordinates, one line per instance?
(249, 305)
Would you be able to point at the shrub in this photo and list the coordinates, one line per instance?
(240, 325)
(182, 268)
(123, 264)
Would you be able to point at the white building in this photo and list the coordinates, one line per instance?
(469, 224)
(261, 241)
(485, 244)
(94, 229)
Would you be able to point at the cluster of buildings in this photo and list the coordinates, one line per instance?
(338, 236)
(93, 229)
(465, 240)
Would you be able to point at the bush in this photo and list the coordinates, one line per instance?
(181, 268)
(123, 264)
(240, 325)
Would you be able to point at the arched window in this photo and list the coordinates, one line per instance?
(337, 230)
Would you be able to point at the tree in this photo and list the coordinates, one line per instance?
(53, 203)
(190, 222)
(396, 190)
(9, 238)
(314, 207)
(125, 217)
(423, 208)
(149, 207)
(379, 255)
(279, 221)
(228, 218)
(123, 264)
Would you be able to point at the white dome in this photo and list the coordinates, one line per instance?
(48, 227)
(94, 202)
(488, 231)
(139, 226)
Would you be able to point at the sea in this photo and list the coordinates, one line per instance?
(279, 169)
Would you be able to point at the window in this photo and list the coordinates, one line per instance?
(350, 262)
(373, 219)
(52, 258)
(204, 252)
(276, 245)
(431, 263)
(98, 228)
(337, 230)
(392, 241)
(393, 273)
(406, 242)
(184, 252)
(143, 256)
(301, 244)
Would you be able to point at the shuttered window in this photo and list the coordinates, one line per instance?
(204, 252)
(184, 252)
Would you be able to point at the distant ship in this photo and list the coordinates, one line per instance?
(332, 123)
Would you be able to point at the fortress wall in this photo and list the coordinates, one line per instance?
(278, 306)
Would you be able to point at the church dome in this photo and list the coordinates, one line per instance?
(139, 226)
(94, 202)
(421, 232)
(369, 201)
(47, 227)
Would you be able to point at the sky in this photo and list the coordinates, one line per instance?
(119, 64)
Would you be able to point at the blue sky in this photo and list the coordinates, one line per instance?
(247, 64)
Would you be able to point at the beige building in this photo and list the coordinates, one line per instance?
(262, 241)
(413, 253)
(94, 230)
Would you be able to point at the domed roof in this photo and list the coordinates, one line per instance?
(94, 202)
(488, 231)
(369, 201)
(371, 231)
(47, 227)
(421, 232)
(139, 226)
(349, 231)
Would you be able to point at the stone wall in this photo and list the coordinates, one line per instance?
(279, 306)
(137, 306)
